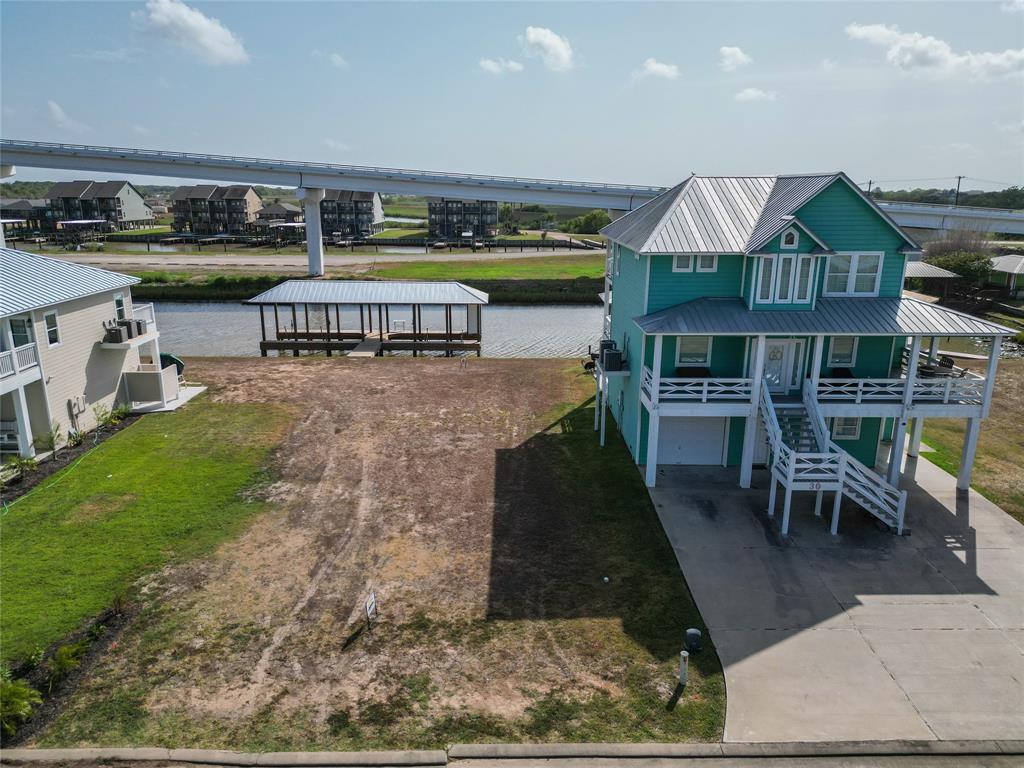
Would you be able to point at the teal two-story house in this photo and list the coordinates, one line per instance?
(761, 321)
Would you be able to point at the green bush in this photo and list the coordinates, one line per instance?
(970, 265)
(66, 659)
(17, 699)
(23, 464)
(588, 223)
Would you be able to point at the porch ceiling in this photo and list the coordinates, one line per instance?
(839, 316)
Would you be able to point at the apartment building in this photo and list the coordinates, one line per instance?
(351, 214)
(111, 204)
(462, 219)
(208, 209)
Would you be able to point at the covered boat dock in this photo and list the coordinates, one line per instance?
(367, 318)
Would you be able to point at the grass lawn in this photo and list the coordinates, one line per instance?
(406, 210)
(166, 488)
(477, 503)
(587, 264)
(998, 473)
(401, 234)
(149, 231)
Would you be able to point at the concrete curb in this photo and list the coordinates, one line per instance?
(223, 757)
(433, 758)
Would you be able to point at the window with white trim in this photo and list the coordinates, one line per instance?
(707, 262)
(52, 329)
(846, 428)
(786, 278)
(682, 262)
(764, 286)
(616, 257)
(119, 310)
(842, 350)
(693, 350)
(853, 274)
(790, 238)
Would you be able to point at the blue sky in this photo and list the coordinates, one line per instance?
(627, 92)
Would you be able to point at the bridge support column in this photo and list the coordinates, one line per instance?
(311, 197)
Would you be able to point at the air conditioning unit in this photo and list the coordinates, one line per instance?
(611, 360)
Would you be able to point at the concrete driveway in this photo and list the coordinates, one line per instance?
(862, 636)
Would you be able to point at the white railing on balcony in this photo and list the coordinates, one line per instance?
(145, 312)
(18, 359)
(968, 388)
(698, 390)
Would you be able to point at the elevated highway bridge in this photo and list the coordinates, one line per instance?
(311, 179)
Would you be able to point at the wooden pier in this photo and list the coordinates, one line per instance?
(390, 318)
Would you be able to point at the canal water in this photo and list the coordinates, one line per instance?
(224, 328)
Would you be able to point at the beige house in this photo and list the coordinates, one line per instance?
(72, 345)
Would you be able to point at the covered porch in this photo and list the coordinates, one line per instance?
(363, 318)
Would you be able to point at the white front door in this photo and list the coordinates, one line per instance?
(783, 364)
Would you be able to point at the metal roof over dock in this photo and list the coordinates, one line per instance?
(833, 317)
(924, 269)
(30, 281)
(370, 292)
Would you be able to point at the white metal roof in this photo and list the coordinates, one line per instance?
(725, 214)
(924, 269)
(839, 316)
(30, 281)
(1011, 262)
(370, 292)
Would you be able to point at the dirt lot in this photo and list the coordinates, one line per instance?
(471, 498)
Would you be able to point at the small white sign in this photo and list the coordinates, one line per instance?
(371, 606)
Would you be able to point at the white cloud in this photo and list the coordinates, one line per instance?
(500, 66)
(655, 68)
(337, 146)
(732, 58)
(337, 60)
(1013, 6)
(755, 94)
(553, 49)
(914, 52)
(195, 31)
(63, 120)
(1017, 127)
(141, 130)
(827, 65)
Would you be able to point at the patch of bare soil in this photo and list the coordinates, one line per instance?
(435, 484)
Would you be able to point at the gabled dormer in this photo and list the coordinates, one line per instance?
(782, 271)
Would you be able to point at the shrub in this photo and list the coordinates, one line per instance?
(52, 440)
(958, 241)
(120, 413)
(17, 699)
(66, 659)
(971, 266)
(23, 464)
(74, 438)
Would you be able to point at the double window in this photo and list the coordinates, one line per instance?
(853, 274)
(686, 262)
(785, 279)
(693, 350)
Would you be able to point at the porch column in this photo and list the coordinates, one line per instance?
(750, 427)
(819, 347)
(963, 476)
(652, 430)
(604, 408)
(26, 446)
(933, 350)
(597, 395)
(899, 433)
(311, 197)
(915, 437)
(990, 374)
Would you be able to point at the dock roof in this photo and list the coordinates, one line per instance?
(370, 292)
(31, 281)
(832, 317)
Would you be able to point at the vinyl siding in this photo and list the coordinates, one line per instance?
(78, 366)
(628, 289)
(841, 218)
(874, 359)
(726, 355)
(669, 288)
(864, 448)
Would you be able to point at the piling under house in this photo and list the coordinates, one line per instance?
(366, 318)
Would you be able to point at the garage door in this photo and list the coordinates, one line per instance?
(691, 440)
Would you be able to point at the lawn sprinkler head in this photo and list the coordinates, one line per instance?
(606, 579)
(693, 640)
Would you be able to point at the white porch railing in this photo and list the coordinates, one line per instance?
(18, 359)
(698, 390)
(145, 312)
(968, 388)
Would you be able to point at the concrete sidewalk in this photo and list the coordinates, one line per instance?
(861, 636)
